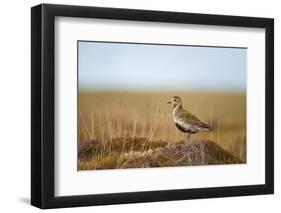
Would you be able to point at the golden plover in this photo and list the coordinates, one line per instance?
(185, 121)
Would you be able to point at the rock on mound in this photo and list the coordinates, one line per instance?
(194, 153)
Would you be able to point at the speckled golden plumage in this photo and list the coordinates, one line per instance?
(184, 120)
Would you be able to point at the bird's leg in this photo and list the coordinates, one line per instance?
(188, 137)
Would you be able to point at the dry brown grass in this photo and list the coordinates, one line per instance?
(113, 124)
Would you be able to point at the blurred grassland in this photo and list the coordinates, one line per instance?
(105, 116)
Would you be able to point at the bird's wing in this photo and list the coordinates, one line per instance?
(193, 120)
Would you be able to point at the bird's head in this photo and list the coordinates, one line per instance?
(175, 101)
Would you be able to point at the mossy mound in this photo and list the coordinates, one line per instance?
(89, 149)
(139, 153)
(191, 154)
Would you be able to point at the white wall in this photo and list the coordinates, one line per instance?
(15, 105)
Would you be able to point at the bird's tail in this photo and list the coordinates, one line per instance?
(207, 127)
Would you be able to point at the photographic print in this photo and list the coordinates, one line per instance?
(160, 105)
(160, 97)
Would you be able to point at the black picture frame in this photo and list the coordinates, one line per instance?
(43, 102)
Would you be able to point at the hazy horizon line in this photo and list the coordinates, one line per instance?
(163, 91)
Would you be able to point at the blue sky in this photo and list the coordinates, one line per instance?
(124, 66)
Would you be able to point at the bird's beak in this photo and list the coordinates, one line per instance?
(169, 102)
